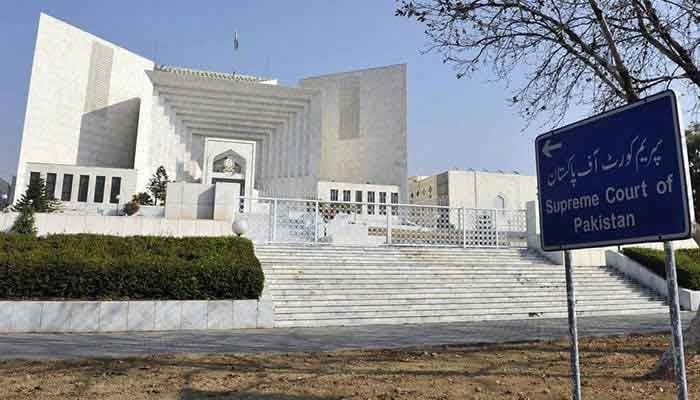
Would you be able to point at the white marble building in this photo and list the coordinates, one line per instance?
(474, 189)
(100, 120)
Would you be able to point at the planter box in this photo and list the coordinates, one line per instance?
(133, 316)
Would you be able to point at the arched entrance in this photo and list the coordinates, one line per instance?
(230, 161)
(229, 166)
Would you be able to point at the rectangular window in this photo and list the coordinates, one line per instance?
(346, 208)
(358, 199)
(51, 185)
(394, 200)
(382, 199)
(83, 188)
(99, 189)
(67, 187)
(334, 194)
(114, 191)
(370, 199)
(34, 176)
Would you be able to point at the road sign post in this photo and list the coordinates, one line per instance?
(676, 328)
(573, 326)
(620, 177)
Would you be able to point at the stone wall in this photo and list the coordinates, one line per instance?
(164, 140)
(133, 316)
(477, 189)
(198, 201)
(364, 137)
(121, 226)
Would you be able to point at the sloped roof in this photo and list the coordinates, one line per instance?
(210, 74)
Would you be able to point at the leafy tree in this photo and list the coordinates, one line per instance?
(24, 223)
(142, 198)
(598, 54)
(158, 185)
(37, 198)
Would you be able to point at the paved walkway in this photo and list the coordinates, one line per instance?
(49, 346)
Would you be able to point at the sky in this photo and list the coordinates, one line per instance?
(452, 123)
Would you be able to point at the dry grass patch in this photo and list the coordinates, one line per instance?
(613, 368)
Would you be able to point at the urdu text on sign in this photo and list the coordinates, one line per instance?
(619, 177)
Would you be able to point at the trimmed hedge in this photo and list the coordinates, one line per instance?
(119, 268)
(687, 264)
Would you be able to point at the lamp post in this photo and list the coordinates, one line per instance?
(117, 210)
(4, 198)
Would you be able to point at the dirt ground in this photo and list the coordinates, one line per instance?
(613, 368)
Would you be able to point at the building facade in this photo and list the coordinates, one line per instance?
(473, 189)
(100, 120)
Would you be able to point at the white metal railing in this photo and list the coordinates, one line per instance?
(283, 220)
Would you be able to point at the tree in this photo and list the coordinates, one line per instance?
(24, 223)
(693, 143)
(143, 199)
(37, 198)
(593, 53)
(131, 208)
(158, 185)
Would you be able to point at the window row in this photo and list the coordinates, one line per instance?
(370, 199)
(359, 193)
(83, 186)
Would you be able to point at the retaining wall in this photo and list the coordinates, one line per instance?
(57, 223)
(133, 316)
(689, 299)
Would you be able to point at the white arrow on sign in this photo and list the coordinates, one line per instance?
(548, 147)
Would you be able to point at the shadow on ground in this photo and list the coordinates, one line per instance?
(190, 394)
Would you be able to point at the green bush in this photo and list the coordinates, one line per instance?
(24, 223)
(131, 208)
(109, 267)
(687, 264)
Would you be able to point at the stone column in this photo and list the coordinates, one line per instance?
(226, 200)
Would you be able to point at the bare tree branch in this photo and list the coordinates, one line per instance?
(614, 51)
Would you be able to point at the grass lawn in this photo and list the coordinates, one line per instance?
(613, 368)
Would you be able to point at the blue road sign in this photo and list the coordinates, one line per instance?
(615, 178)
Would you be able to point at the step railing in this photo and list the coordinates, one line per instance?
(283, 220)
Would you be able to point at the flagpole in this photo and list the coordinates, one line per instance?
(235, 47)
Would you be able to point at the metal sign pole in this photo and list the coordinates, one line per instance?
(573, 329)
(676, 328)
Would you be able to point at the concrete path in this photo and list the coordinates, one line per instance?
(66, 346)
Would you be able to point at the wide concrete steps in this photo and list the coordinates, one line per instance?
(327, 286)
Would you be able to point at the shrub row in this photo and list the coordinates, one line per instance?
(687, 264)
(117, 268)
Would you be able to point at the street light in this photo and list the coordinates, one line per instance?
(117, 210)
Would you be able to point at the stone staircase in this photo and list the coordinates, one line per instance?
(333, 286)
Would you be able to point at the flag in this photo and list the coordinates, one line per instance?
(235, 41)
